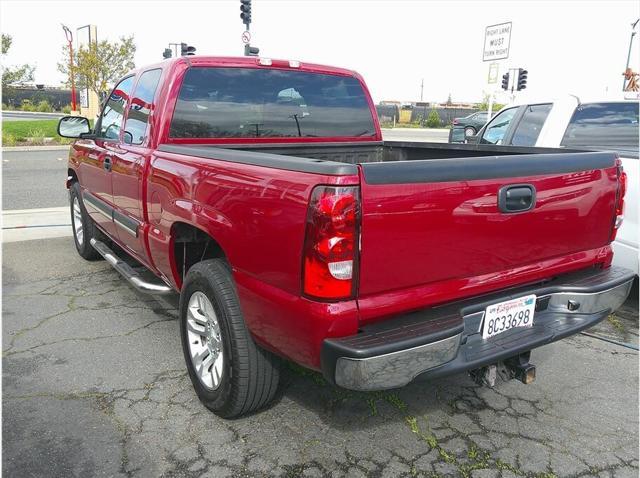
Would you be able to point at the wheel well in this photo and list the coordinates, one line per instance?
(71, 173)
(192, 245)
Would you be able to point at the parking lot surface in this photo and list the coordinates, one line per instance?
(94, 385)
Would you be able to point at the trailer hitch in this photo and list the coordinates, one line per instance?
(517, 367)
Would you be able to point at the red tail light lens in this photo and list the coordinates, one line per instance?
(331, 243)
(622, 190)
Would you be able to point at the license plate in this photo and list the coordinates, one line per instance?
(499, 318)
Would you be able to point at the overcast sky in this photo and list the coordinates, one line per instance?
(567, 46)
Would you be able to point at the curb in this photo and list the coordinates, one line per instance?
(8, 149)
(435, 130)
(30, 113)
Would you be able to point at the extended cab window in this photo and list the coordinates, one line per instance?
(253, 102)
(604, 126)
(530, 125)
(113, 112)
(140, 107)
(496, 130)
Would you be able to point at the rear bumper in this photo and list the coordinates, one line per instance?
(446, 340)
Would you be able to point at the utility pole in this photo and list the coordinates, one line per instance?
(421, 90)
(69, 35)
(633, 33)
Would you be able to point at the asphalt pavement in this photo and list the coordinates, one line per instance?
(94, 384)
(34, 179)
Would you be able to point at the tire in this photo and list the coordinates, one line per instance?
(82, 226)
(246, 377)
(469, 131)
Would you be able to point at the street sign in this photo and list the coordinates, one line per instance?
(246, 37)
(493, 74)
(497, 39)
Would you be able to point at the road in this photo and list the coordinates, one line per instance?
(28, 116)
(94, 384)
(34, 179)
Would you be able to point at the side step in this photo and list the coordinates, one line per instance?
(155, 288)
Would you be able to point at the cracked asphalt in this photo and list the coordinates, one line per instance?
(94, 385)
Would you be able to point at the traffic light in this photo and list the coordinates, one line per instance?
(251, 50)
(245, 12)
(505, 81)
(186, 50)
(522, 79)
(167, 53)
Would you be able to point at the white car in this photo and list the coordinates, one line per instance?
(581, 123)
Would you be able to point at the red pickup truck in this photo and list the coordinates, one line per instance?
(262, 192)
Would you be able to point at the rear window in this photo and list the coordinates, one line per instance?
(530, 125)
(254, 103)
(604, 126)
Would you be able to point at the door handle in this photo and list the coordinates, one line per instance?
(516, 198)
(107, 163)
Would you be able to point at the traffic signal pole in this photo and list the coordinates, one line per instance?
(245, 15)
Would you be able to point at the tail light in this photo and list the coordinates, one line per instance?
(330, 252)
(455, 121)
(622, 190)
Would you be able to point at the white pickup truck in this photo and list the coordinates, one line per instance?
(589, 123)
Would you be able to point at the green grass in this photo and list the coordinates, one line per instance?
(27, 129)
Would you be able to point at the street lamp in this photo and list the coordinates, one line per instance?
(633, 33)
(69, 36)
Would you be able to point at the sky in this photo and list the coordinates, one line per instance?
(577, 47)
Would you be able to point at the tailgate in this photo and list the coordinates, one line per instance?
(435, 221)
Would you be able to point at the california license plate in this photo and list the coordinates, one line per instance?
(499, 318)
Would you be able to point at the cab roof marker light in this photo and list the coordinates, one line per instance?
(265, 61)
(294, 64)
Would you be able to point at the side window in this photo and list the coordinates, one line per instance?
(604, 126)
(530, 125)
(496, 130)
(113, 112)
(140, 107)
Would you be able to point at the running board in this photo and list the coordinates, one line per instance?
(129, 273)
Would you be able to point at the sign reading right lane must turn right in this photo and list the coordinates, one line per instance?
(497, 39)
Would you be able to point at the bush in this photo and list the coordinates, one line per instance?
(26, 105)
(37, 136)
(43, 106)
(433, 120)
(66, 109)
(8, 139)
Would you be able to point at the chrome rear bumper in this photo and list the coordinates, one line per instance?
(448, 339)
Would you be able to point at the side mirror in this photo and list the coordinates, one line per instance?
(73, 126)
(473, 139)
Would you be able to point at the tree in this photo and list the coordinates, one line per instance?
(449, 100)
(15, 75)
(433, 120)
(484, 106)
(98, 66)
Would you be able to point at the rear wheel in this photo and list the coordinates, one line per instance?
(231, 375)
(82, 225)
(469, 131)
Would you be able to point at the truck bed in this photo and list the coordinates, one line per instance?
(432, 228)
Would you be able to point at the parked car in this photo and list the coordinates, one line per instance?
(591, 123)
(472, 123)
(261, 191)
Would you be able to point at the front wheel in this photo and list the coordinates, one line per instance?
(231, 375)
(82, 225)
